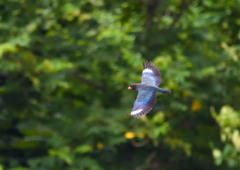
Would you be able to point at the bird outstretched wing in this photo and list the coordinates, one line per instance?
(144, 103)
(150, 74)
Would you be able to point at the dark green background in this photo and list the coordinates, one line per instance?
(64, 71)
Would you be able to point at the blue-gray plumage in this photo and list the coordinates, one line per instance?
(151, 78)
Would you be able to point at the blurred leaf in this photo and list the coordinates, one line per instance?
(83, 149)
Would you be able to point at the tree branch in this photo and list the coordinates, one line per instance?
(89, 82)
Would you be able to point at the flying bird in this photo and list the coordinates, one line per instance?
(151, 78)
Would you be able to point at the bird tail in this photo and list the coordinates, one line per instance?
(164, 91)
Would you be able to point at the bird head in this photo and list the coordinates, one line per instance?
(132, 87)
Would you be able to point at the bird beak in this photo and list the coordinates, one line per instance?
(129, 88)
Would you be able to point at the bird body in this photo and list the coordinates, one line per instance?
(150, 87)
(147, 89)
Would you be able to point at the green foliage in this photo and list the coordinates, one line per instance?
(229, 122)
(64, 71)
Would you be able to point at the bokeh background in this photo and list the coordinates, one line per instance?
(64, 71)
